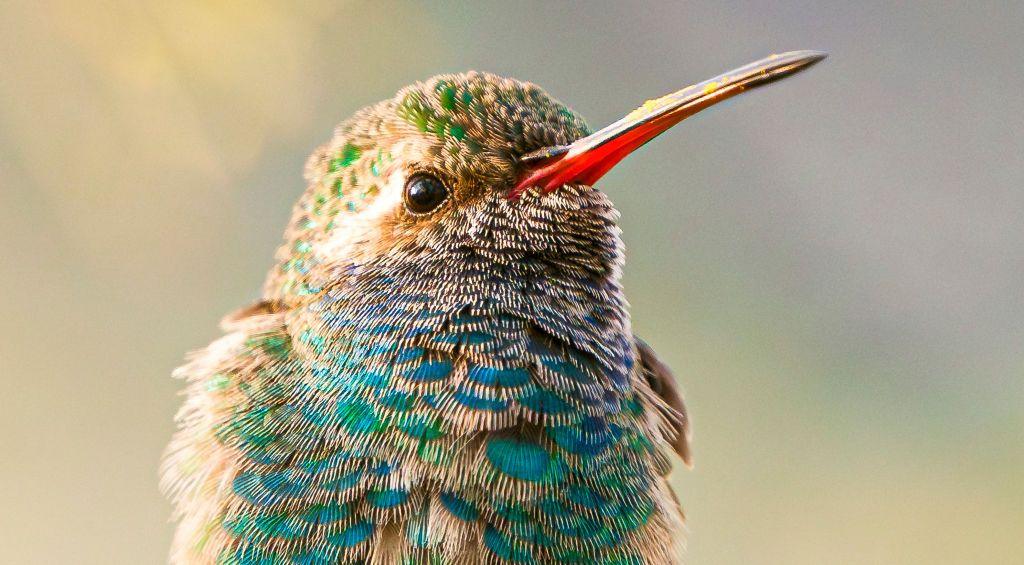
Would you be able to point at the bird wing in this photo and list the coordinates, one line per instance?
(264, 307)
(663, 383)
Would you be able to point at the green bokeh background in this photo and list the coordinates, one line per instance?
(833, 265)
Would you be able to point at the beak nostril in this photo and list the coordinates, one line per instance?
(543, 154)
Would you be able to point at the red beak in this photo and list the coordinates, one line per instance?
(586, 160)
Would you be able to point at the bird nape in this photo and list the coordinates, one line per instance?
(441, 368)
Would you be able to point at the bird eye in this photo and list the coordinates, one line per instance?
(424, 193)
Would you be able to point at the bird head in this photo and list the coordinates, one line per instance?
(414, 179)
(485, 180)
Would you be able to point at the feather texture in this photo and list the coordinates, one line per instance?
(461, 389)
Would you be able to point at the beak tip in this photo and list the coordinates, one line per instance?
(805, 58)
(812, 54)
(786, 64)
(816, 56)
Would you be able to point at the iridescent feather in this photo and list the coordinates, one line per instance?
(463, 388)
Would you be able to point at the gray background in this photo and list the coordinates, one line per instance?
(832, 265)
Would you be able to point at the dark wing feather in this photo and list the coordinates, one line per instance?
(258, 308)
(663, 383)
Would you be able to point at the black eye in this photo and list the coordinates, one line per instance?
(424, 193)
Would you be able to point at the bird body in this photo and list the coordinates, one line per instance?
(441, 368)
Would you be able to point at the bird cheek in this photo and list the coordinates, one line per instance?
(395, 182)
(364, 234)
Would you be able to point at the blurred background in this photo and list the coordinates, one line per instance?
(833, 265)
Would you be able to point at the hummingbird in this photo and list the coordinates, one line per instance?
(441, 368)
